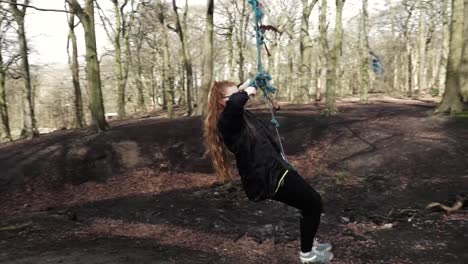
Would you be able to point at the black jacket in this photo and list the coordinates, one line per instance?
(255, 147)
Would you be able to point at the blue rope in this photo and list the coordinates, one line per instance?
(263, 78)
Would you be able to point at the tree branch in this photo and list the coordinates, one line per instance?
(105, 20)
(171, 28)
(12, 60)
(34, 7)
(76, 8)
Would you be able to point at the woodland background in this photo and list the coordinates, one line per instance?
(163, 55)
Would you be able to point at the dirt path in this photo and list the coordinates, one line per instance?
(144, 193)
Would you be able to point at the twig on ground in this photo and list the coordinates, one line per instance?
(459, 202)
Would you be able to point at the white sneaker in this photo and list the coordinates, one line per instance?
(316, 256)
(322, 246)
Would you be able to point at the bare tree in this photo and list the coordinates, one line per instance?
(442, 66)
(464, 70)
(74, 67)
(324, 48)
(451, 101)
(122, 31)
(306, 52)
(117, 33)
(138, 39)
(241, 34)
(29, 121)
(168, 71)
(183, 36)
(207, 75)
(227, 10)
(121, 68)
(365, 49)
(96, 104)
(332, 75)
(422, 40)
(5, 63)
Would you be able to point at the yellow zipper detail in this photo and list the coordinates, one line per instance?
(281, 181)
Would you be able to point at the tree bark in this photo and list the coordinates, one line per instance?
(207, 75)
(409, 55)
(121, 82)
(168, 71)
(154, 95)
(139, 79)
(464, 69)
(96, 104)
(451, 101)
(421, 48)
(230, 35)
(29, 129)
(241, 38)
(333, 70)
(445, 46)
(74, 68)
(5, 133)
(365, 58)
(158, 90)
(324, 48)
(182, 32)
(306, 53)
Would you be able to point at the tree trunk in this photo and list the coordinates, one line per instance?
(207, 75)
(276, 57)
(324, 49)
(306, 53)
(230, 58)
(118, 60)
(153, 87)
(289, 69)
(241, 64)
(5, 133)
(96, 104)
(333, 70)
(396, 52)
(181, 79)
(29, 121)
(421, 48)
(445, 46)
(126, 63)
(74, 68)
(162, 86)
(464, 69)
(186, 52)
(409, 72)
(365, 58)
(168, 71)
(451, 101)
(139, 79)
(396, 72)
(94, 74)
(241, 38)
(138, 41)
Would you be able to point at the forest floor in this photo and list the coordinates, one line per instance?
(144, 192)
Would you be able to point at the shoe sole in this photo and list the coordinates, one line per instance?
(309, 261)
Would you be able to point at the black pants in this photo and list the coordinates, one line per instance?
(297, 193)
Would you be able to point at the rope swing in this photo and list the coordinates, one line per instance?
(263, 78)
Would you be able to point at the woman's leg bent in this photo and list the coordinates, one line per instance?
(298, 193)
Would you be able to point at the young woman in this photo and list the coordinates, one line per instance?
(264, 173)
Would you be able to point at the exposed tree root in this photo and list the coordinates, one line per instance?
(459, 202)
(15, 227)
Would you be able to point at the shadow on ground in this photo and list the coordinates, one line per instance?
(377, 166)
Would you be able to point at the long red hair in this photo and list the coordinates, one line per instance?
(213, 140)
